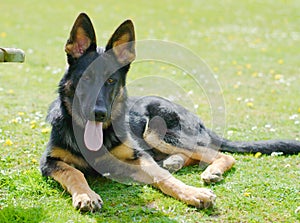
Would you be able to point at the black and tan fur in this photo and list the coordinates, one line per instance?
(142, 137)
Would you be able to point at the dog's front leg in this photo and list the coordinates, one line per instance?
(145, 170)
(84, 198)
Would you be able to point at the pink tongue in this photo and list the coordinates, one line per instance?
(93, 135)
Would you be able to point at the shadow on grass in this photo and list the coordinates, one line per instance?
(124, 203)
(23, 215)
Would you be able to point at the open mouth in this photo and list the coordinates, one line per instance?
(93, 135)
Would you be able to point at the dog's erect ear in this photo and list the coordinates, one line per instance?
(122, 43)
(82, 37)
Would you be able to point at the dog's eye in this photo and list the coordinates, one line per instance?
(110, 81)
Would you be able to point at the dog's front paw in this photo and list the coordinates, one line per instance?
(211, 175)
(198, 197)
(89, 201)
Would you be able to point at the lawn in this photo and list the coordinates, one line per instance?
(253, 48)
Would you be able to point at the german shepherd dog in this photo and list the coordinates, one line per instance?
(97, 128)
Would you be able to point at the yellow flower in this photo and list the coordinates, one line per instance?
(33, 126)
(234, 62)
(247, 194)
(21, 113)
(239, 73)
(8, 142)
(45, 130)
(299, 110)
(263, 49)
(3, 34)
(254, 74)
(11, 91)
(216, 69)
(34, 161)
(236, 86)
(250, 105)
(280, 61)
(258, 154)
(248, 66)
(278, 76)
(272, 71)
(14, 121)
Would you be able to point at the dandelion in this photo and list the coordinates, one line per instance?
(258, 154)
(278, 77)
(33, 124)
(234, 62)
(299, 110)
(34, 161)
(8, 142)
(21, 113)
(216, 69)
(247, 194)
(248, 66)
(14, 121)
(239, 73)
(250, 104)
(280, 61)
(237, 85)
(45, 130)
(254, 74)
(11, 91)
(3, 34)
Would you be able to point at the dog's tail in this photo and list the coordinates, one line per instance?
(287, 147)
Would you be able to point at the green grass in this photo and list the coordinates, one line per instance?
(252, 46)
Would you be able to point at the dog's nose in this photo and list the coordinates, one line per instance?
(100, 114)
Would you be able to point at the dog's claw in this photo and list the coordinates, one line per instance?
(209, 176)
(199, 197)
(87, 202)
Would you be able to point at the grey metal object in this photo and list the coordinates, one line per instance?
(12, 55)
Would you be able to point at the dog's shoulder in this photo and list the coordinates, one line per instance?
(54, 111)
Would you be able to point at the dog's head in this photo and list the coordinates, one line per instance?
(95, 80)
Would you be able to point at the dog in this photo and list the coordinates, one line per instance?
(98, 129)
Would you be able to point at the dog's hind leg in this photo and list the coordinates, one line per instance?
(218, 165)
(175, 162)
(218, 162)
